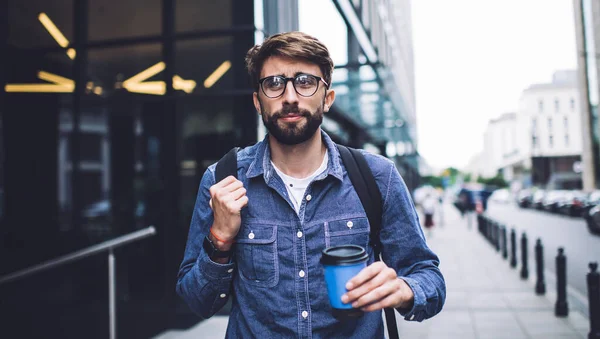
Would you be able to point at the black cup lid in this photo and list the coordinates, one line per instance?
(344, 255)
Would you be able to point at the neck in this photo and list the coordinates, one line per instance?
(301, 160)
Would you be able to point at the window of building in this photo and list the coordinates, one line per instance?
(551, 141)
(566, 140)
(124, 19)
(556, 105)
(541, 106)
(566, 123)
(549, 123)
(534, 143)
(572, 104)
(534, 124)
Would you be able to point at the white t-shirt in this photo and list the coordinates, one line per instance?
(296, 187)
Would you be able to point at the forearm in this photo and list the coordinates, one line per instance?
(205, 286)
(429, 291)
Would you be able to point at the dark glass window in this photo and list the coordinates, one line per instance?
(110, 19)
(40, 23)
(109, 68)
(91, 147)
(206, 64)
(213, 14)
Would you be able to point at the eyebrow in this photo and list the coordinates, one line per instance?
(283, 75)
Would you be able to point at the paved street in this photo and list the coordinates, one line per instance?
(555, 231)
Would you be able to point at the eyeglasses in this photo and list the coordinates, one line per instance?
(305, 85)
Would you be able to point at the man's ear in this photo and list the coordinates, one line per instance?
(329, 99)
(256, 102)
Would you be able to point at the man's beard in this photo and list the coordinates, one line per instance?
(292, 133)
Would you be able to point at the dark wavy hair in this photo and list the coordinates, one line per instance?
(295, 45)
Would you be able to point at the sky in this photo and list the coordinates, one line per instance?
(473, 58)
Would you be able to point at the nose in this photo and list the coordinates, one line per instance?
(290, 96)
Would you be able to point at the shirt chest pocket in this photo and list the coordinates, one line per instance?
(256, 255)
(351, 231)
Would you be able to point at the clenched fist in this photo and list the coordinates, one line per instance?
(227, 198)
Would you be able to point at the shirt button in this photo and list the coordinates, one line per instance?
(223, 295)
(304, 314)
(230, 270)
(349, 224)
(301, 274)
(299, 234)
(251, 235)
(308, 197)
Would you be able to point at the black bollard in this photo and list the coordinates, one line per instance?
(593, 283)
(497, 237)
(524, 268)
(504, 244)
(540, 285)
(562, 307)
(513, 248)
(493, 235)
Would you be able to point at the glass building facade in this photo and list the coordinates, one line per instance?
(110, 112)
(587, 22)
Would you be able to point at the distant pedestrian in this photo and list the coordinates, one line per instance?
(428, 206)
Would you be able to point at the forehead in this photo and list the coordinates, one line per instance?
(288, 67)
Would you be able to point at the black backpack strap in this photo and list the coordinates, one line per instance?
(227, 165)
(368, 192)
(366, 187)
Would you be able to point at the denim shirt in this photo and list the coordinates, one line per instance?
(275, 277)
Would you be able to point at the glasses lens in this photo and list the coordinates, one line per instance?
(273, 86)
(306, 85)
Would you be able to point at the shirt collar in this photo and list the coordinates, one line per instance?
(261, 164)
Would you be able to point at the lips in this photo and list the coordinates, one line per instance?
(291, 117)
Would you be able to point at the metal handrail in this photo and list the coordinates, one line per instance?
(86, 252)
(109, 246)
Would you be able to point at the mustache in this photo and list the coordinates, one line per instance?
(286, 110)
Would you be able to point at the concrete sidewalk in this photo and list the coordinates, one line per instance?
(485, 297)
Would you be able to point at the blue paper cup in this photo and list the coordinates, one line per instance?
(342, 263)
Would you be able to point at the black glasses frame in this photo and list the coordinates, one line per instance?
(285, 80)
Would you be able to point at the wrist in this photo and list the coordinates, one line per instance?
(221, 242)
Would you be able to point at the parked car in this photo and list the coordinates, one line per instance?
(525, 198)
(537, 201)
(469, 197)
(502, 196)
(572, 203)
(593, 219)
(551, 200)
(591, 200)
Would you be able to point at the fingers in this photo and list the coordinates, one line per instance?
(365, 289)
(227, 185)
(238, 193)
(366, 274)
(384, 297)
(239, 204)
(227, 190)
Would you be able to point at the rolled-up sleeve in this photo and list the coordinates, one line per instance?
(404, 249)
(203, 284)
